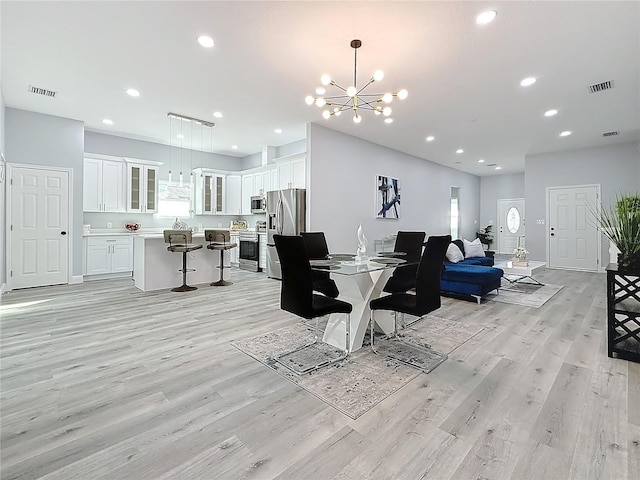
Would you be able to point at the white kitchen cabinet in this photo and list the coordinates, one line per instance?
(258, 186)
(262, 259)
(247, 193)
(233, 204)
(298, 173)
(234, 253)
(270, 179)
(105, 255)
(209, 192)
(142, 187)
(103, 185)
(291, 172)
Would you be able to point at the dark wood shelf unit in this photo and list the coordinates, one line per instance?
(623, 313)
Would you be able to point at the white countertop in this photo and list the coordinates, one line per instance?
(158, 232)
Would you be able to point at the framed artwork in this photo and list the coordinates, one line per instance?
(387, 197)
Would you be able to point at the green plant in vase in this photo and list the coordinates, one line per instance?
(486, 235)
(620, 223)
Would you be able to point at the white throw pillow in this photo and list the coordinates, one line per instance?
(473, 249)
(454, 255)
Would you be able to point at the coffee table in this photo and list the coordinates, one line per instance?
(521, 273)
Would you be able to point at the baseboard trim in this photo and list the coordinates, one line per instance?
(75, 279)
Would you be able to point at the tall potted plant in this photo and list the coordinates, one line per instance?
(620, 223)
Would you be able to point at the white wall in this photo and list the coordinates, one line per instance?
(38, 139)
(616, 168)
(495, 187)
(342, 190)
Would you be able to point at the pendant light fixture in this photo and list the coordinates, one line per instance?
(354, 97)
(183, 118)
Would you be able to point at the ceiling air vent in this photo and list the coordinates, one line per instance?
(599, 87)
(610, 134)
(42, 91)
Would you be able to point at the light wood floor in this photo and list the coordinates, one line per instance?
(102, 381)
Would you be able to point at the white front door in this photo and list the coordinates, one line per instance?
(511, 224)
(572, 236)
(39, 227)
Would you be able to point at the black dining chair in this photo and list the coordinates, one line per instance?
(404, 279)
(297, 297)
(315, 244)
(427, 296)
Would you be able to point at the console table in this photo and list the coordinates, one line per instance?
(623, 313)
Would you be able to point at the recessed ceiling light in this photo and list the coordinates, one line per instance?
(459, 151)
(278, 130)
(217, 114)
(498, 167)
(486, 17)
(388, 120)
(133, 92)
(205, 41)
(107, 121)
(551, 113)
(566, 133)
(235, 147)
(430, 138)
(481, 160)
(526, 82)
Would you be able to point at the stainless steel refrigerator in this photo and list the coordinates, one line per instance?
(286, 215)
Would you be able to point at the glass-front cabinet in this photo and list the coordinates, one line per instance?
(142, 195)
(209, 192)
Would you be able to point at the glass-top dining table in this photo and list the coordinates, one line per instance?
(359, 281)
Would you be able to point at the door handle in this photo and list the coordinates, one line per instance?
(63, 233)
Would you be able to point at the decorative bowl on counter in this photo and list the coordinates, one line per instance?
(132, 227)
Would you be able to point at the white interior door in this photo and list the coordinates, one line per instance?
(511, 224)
(572, 236)
(39, 227)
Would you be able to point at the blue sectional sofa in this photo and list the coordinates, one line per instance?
(486, 261)
(469, 280)
(473, 276)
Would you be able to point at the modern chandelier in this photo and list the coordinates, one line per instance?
(354, 97)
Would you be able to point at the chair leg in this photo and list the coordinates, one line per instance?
(184, 287)
(316, 366)
(222, 282)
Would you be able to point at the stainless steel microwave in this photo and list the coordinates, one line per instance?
(258, 204)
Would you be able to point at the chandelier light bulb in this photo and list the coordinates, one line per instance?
(321, 91)
(378, 75)
(337, 112)
(378, 111)
(326, 114)
(388, 120)
(387, 98)
(325, 79)
(386, 111)
(309, 100)
(402, 94)
(321, 102)
(351, 91)
(357, 118)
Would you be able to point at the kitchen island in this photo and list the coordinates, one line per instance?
(155, 268)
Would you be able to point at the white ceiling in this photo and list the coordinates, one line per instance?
(463, 79)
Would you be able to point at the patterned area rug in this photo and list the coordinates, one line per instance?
(355, 385)
(525, 294)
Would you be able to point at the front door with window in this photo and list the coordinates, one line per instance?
(511, 225)
(39, 227)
